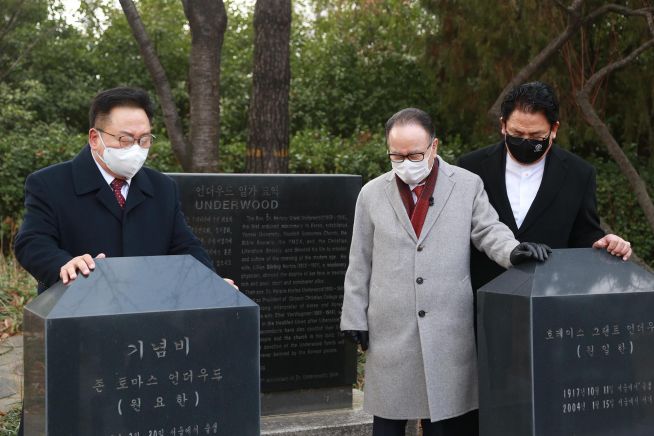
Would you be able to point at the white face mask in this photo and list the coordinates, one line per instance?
(124, 162)
(413, 173)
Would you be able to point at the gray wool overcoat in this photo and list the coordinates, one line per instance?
(413, 295)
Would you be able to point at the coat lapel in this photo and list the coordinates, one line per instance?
(494, 169)
(87, 178)
(553, 180)
(139, 189)
(393, 195)
(442, 191)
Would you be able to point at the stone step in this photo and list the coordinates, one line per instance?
(339, 422)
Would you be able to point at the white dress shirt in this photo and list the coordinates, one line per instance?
(413, 194)
(109, 178)
(522, 183)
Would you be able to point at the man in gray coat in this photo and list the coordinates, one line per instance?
(408, 298)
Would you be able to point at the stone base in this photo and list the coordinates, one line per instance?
(343, 422)
(306, 400)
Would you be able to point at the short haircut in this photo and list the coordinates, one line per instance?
(411, 115)
(124, 96)
(532, 97)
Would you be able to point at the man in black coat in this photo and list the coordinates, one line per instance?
(540, 191)
(103, 203)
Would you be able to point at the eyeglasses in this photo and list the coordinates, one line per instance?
(519, 140)
(145, 141)
(413, 157)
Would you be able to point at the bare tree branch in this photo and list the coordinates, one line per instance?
(608, 69)
(538, 61)
(12, 20)
(153, 64)
(562, 5)
(575, 23)
(637, 184)
(618, 9)
(25, 51)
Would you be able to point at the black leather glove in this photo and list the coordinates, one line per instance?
(358, 336)
(529, 251)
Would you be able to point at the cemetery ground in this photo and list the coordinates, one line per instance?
(17, 288)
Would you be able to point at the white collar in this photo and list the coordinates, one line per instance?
(108, 177)
(413, 186)
(516, 167)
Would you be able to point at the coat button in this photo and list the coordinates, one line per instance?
(421, 314)
(419, 280)
(420, 247)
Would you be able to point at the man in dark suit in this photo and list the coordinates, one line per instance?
(103, 202)
(540, 191)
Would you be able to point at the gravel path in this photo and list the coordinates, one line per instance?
(11, 372)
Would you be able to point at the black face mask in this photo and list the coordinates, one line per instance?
(526, 151)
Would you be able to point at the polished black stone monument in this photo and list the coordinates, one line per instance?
(566, 347)
(285, 240)
(142, 346)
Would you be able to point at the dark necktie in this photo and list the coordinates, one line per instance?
(117, 185)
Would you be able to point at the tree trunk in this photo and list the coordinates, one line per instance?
(268, 136)
(208, 21)
(158, 74)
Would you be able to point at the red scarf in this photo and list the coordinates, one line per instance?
(418, 211)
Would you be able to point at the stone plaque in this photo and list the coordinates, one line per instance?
(566, 348)
(142, 346)
(285, 240)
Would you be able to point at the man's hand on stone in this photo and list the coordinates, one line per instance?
(529, 251)
(83, 264)
(231, 282)
(615, 245)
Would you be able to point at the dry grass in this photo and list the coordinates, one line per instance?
(17, 288)
(361, 363)
(9, 422)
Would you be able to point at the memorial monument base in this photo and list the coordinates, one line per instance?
(142, 346)
(339, 422)
(566, 348)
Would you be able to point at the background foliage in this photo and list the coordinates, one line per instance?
(353, 65)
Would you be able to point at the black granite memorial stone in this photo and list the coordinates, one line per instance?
(142, 346)
(566, 347)
(285, 240)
